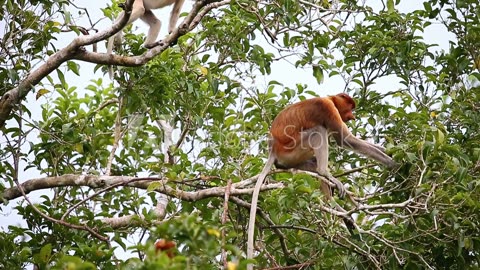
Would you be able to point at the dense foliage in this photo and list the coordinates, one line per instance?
(108, 168)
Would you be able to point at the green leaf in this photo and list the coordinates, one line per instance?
(74, 67)
(440, 137)
(45, 253)
(61, 77)
(390, 6)
(153, 186)
(41, 92)
(318, 73)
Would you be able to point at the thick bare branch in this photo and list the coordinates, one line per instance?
(130, 220)
(197, 18)
(95, 181)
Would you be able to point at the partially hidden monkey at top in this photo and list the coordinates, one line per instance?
(299, 139)
(167, 246)
(143, 9)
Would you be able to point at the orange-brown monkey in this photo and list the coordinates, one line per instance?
(299, 139)
(164, 245)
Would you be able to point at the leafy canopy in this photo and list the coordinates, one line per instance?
(109, 168)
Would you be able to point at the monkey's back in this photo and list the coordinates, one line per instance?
(298, 117)
(156, 4)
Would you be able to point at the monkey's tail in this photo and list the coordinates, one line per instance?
(348, 220)
(253, 207)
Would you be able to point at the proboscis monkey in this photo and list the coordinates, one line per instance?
(143, 9)
(163, 245)
(299, 139)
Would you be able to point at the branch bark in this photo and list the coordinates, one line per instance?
(159, 212)
(95, 181)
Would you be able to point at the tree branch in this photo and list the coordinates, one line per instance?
(95, 181)
(130, 220)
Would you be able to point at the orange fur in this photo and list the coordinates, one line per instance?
(164, 245)
(329, 112)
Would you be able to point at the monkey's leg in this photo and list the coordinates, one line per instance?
(154, 24)
(174, 15)
(137, 10)
(317, 139)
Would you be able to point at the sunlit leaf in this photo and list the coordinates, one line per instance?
(41, 92)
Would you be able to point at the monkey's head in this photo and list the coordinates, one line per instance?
(345, 106)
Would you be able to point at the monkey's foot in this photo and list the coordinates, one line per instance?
(340, 187)
(341, 190)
